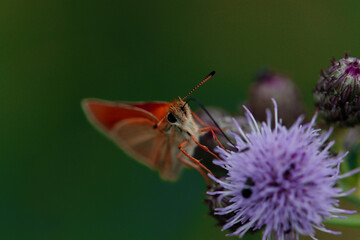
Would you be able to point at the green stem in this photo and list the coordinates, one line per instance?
(353, 199)
(352, 221)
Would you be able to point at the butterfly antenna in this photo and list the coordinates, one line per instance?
(201, 83)
(212, 119)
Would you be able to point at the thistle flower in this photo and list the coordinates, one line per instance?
(337, 94)
(269, 85)
(282, 180)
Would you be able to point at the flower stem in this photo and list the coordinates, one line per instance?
(353, 199)
(352, 221)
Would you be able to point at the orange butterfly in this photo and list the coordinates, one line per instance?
(156, 134)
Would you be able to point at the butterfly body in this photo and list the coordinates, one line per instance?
(149, 132)
(161, 135)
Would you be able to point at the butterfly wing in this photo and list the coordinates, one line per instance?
(105, 114)
(149, 146)
(131, 126)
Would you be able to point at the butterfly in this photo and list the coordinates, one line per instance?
(161, 135)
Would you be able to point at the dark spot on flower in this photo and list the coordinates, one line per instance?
(304, 210)
(274, 184)
(309, 184)
(287, 174)
(276, 205)
(299, 223)
(288, 171)
(246, 192)
(288, 229)
(249, 182)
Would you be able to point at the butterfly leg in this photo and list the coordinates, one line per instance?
(191, 157)
(214, 136)
(196, 167)
(205, 148)
(208, 128)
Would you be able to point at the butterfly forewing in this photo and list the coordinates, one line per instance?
(131, 126)
(105, 114)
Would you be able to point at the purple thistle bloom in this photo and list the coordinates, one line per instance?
(282, 180)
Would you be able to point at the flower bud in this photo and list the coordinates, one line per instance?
(337, 94)
(269, 85)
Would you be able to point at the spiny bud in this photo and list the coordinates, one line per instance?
(337, 94)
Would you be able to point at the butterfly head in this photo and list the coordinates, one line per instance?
(179, 112)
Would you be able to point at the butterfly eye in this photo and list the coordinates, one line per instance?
(171, 118)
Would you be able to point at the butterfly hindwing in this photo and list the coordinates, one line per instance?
(147, 145)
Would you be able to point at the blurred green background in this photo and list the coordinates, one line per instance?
(61, 179)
